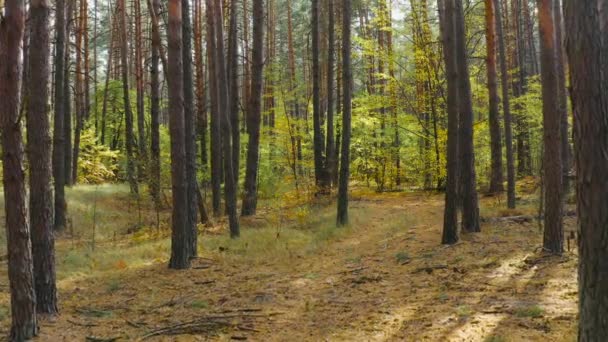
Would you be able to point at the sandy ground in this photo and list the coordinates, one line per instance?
(387, 279)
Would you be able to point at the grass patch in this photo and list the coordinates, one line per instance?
(495, 338)
(199, 304)
(464, 311)
(402, 257)
(533, 311)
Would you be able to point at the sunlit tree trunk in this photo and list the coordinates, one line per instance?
(553, 238)
(39, 156)
(20, 272)
(585, 44)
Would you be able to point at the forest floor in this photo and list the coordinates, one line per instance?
(384, 278)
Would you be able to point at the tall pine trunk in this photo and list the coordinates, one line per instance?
(154, 175)
(254, 111)
(450, 216)
(124, 67)
(190, 125)
(20, 272)
(553, 237)
(470, 205)
(39, 155)
(588, 68)
(506, 107)
(496, 179)
(347, 78)
(58, 122)
(180, 232)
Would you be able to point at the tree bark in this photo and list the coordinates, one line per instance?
(553, 237)
(496, 178)
(58, 122)
(506, 107)
(254, 111)
(155, 111)
(129, 137)
(347, 77)
(316, 99)
(330, 149)
(450, 215)
(562, 99)
(180, 232)
(39, 155)
(190, 126)
(20, 272)
(585, 47)
(470, 206)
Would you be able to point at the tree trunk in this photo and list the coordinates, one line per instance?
(155, 112)
(561, 94)
(470, 206)
(216, 138)
(39, 155)
(553, 238)
(318, 138)
(67, 98)
(20, 272)
(496, 179)
(347, 77)
(233, 79)
(58, 122)
(254, 111)
(506, 107)
(190, 126)
(330, 149)
(180, 232)
(450, 216)
(225, 120)
(129, 137)
(585, 52)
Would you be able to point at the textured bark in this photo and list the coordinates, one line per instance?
(201, 110)
(506, 107)
(588, 78)
(216, 138)
(496, 178)
(562, 99)
(180, 232)
(470, 205)
(330, 147)
(254, 111)
(20, 273)
(233, 79)
(139, 86)
(347, 77)
(155, 112)
(225, 120)
(450, 215)
(67, 98)
(58, 127)
(318, 139)
(39, 155)
(80, 84)
(190, 126)
(129, 137)
(553, 237)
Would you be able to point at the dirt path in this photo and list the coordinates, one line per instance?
(386, 279)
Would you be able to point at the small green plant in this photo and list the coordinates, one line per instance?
(113, 286)
(354, 260)
(495, 338)
(311, 276)
(443, 297)
(4, 313)
(199, 304)
(533, 311)
(463, 311)
(402, 257)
